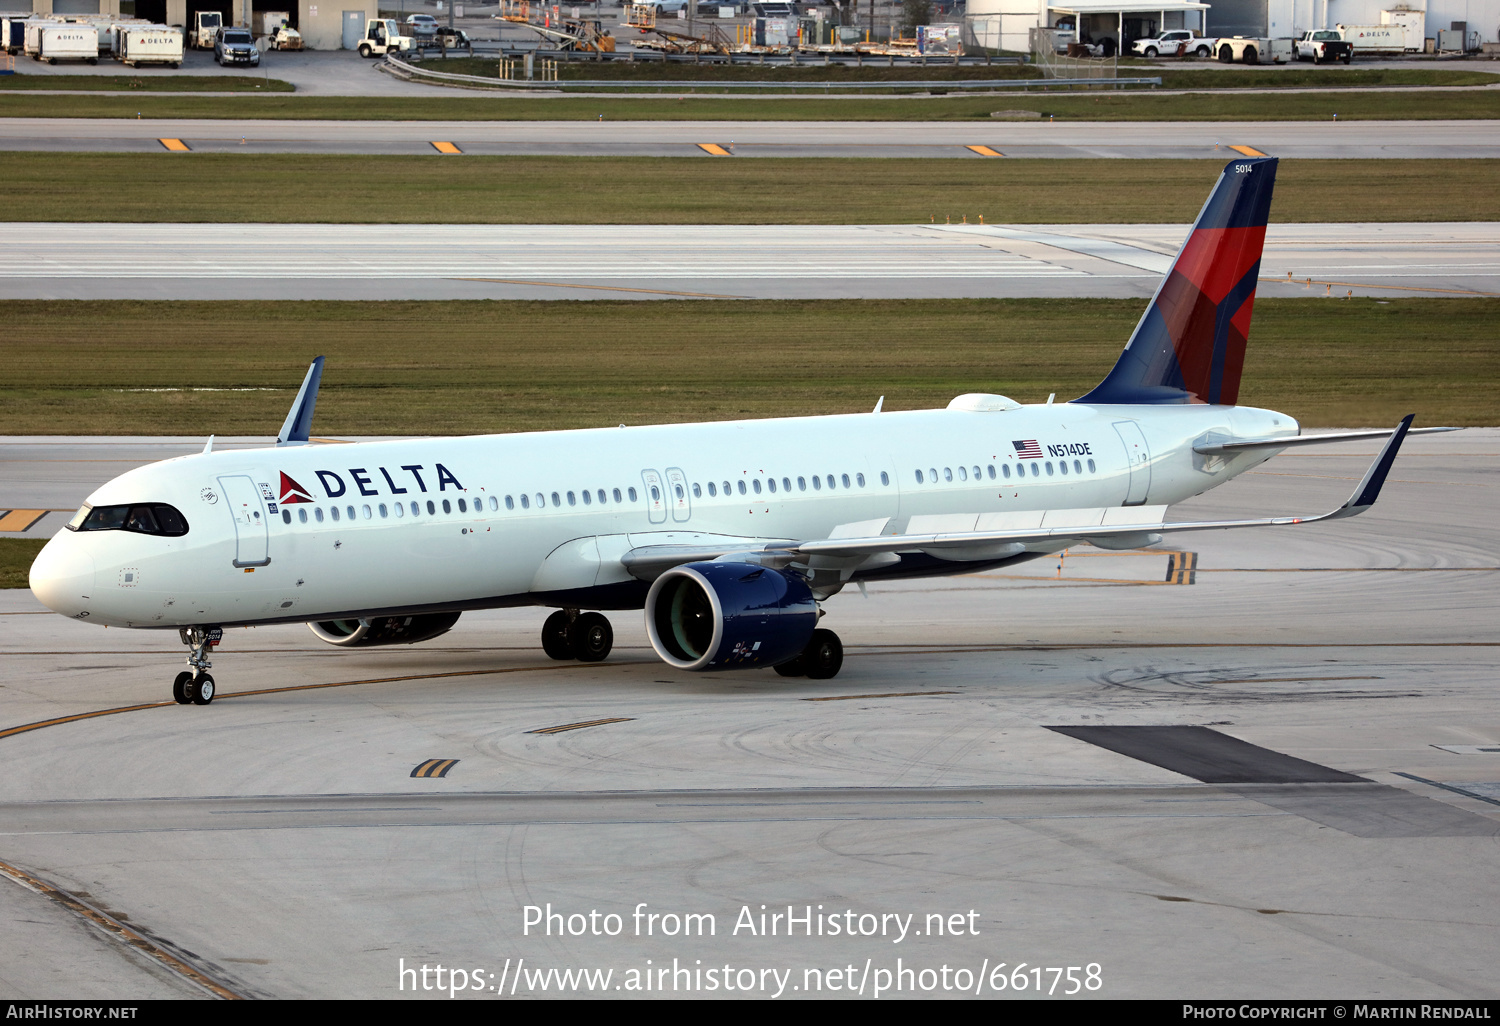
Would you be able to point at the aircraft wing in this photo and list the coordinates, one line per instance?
(1112, 527)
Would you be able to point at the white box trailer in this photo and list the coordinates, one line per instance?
(150, 44)
(31, 44)
(13, 31)
(69, 43)
(1373, 39)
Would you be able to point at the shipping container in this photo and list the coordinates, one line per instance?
(150, 44)
(69, 43)
(1373, 39)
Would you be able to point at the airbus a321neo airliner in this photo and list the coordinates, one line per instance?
(729, 535)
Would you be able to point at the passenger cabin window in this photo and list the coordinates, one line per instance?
(286, 516)
(860, 478)
(885, 479)
(447, 506)
(350, 511)
(991, 469)
(1005, 469)
(1091, 466)
(742, 486)
(318, 514)
(525, 502)
(713, 489)
(302, 516)
(556, 499)
(770, 483)
(756, 485)
(588, 500)
(628, 491)
(400, 510)
(334, 511)
(845, 478)
(416, 510)
(818, 482)
(786, 484)
(617, 495)
(431, 508)
(801, 484)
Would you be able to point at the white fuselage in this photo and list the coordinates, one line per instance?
(401, 542)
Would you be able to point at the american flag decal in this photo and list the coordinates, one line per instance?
(1028, 449)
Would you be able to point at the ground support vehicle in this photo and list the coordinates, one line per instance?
(276, 27)
(1322, 46)
(1172, 43)
(67, 43)
(284, 37)
(149, 44)
(383, 36)
(205, 29)
(1252, 50)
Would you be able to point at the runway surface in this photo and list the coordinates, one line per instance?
(198, 261)
(1006, 139)
(277, 843)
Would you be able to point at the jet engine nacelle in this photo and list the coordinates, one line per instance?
(729, 616)
(384, 630)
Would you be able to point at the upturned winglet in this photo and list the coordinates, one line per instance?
(298, 425)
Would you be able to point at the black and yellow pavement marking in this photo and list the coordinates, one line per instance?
(1248, 151)
(887, 694)
(446, 147)
(579, 726)
(119, 932)
(714, 150)
(1182, 568)
(434, 768)
(175, 145)
(21, 519)
(985, 151)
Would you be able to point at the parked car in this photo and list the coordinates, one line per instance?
(235, 46)
(422, 26)
(1169, 42)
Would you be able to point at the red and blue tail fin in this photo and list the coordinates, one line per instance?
(1189, 347)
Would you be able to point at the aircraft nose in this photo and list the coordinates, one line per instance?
(62, 576)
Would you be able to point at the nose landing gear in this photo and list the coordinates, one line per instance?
(196, 686)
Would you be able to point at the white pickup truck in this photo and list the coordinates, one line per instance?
(1251, 50)
(1169, 42)
(1322, 46)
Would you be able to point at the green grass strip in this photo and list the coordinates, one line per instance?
(164, 186)
(145, 80)
(462, 105)
(16, 555)
(470, 367)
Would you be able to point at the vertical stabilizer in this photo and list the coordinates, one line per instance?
(1189, 346)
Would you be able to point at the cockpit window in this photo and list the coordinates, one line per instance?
(143, 518)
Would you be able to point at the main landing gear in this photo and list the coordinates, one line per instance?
(569, 634)
(195, 686)
(820, 660)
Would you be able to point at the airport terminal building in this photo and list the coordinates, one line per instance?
(324, 25)
(1006, 24)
